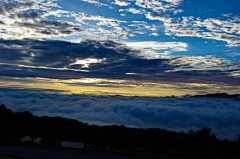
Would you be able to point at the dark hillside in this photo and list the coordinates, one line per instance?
(15, 125)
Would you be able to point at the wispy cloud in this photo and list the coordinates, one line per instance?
(135, 11)
(210, 28)
(121, 3)
(26, 21)
(95, 2)
(159, 6)
(102, 20)
(160, 47)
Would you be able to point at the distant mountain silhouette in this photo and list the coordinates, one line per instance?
(218, 95)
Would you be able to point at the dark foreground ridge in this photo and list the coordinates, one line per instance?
(154, 141)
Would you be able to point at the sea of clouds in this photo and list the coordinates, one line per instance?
(172, 113)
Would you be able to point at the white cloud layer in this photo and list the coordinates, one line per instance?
(179, 114)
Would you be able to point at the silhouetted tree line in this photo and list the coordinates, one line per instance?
(15, 125)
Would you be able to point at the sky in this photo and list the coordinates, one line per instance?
(120, 47)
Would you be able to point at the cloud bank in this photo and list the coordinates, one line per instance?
(113, 64)
(172, 113)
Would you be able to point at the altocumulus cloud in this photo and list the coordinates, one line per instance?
(172, 113)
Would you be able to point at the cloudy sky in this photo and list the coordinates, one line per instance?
(124, 47)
